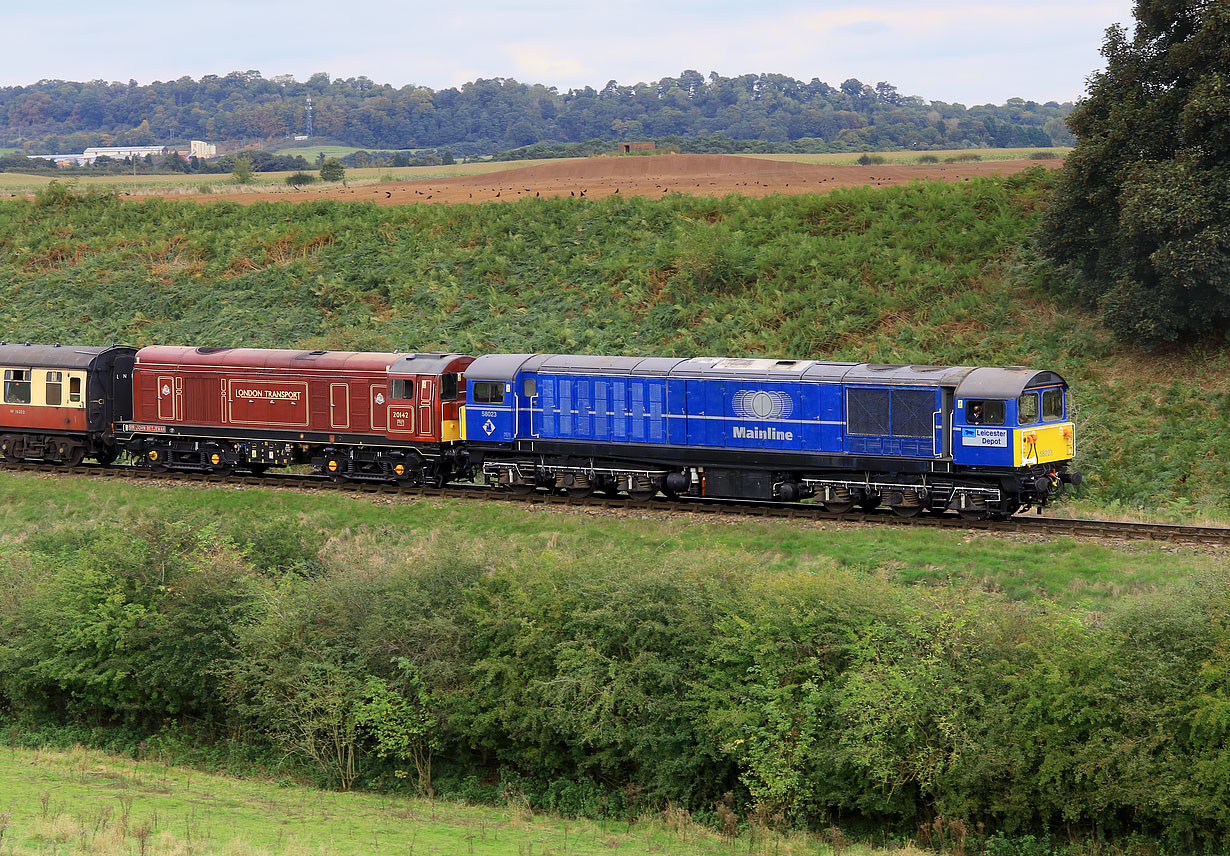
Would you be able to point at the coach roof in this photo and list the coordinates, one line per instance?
(53, 356)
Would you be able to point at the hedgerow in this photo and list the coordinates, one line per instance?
(814, 694)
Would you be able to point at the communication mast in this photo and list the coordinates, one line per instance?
(308, 130)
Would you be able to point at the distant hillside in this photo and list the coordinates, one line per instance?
(925, 273)
(751, 111)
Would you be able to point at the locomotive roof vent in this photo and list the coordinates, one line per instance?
(884, 367)
(208, 351)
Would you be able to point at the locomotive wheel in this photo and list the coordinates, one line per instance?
(906, 511)
(972, 514)
(643, 495)
(838, 507)
(579, 492)
(107, 457)
(522, 489)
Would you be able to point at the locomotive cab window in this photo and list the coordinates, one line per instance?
(16, 386)
(448, 386)
(1052, 405)
(531, 387)
(984, 412)
(55, 388)
(1027, 408)
(488, 392)
(399, 389)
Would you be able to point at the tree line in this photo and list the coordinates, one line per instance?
(490, 115)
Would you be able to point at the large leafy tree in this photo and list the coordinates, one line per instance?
(1143, 209)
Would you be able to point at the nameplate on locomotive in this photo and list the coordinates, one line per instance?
(996, 437)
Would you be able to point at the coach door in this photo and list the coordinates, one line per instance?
(170, 399)
(339, 405)
(426, 405)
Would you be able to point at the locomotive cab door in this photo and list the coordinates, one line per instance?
(427, 401)
(943, 425)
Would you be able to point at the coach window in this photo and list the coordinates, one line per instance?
(448, 386)
(74, 390)
(55, 388)
(984, 412)
(16, 386)
(1027, 409)
(1052, 405)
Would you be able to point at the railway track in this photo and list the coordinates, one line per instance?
(1203, 536)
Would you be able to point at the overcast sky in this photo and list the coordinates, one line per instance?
(944, 50)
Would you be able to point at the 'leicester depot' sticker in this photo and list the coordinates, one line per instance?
(997, 437)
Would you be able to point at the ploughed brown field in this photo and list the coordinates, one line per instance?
(653, 176)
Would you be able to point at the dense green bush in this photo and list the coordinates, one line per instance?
(814, 693)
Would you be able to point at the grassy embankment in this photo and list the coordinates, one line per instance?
(929, 273)
(87, 802)
(1074, 573)
(610, 667)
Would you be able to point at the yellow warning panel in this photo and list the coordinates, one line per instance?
(1044, 444)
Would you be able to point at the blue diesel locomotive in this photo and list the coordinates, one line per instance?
(985, 442)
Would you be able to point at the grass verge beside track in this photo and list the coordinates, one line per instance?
(1066, 570)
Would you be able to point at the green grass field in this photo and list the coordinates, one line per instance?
(82, 801)
(20, 183)
(1060, 569)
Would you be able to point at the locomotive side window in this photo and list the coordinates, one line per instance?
(912, 412)
(74, 390)
(55, 388)
(868, 411)
(488, 392)
(16, 386)
(1027, 408)
(531, 387)
(448, 386)
(398, 389)
(984, 412)
(1052, 404)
